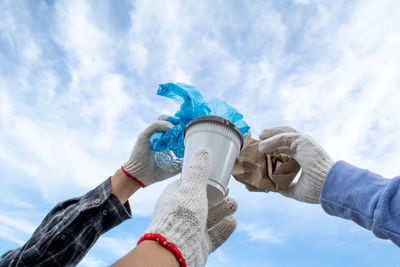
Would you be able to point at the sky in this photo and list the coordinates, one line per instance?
(78, 82)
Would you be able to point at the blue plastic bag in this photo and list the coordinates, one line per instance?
(192, 107)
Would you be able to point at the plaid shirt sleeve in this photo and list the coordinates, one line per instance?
(70, 229)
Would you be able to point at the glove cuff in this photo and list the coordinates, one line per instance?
(163, 242)
(133, 177)
(318, 174)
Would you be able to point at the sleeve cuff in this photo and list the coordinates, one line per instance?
(102, 196)
(352, 193)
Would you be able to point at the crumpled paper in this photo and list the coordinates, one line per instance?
(262, 172)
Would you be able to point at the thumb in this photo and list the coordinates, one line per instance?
(300, 192)
(290, 191)
(157, 126)
(195, 177)
(270, 132)
(163, 117)
(220, 233)
(280, 140)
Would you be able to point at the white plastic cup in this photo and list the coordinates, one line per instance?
(224, 141)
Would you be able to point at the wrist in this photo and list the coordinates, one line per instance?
(167, 258)
(163, 242)
(148, 253)
(122, 186)
(132, 177)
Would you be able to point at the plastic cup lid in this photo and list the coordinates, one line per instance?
(219, 120)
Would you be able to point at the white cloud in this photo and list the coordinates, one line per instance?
(138, 56)
(16, 202)
(108, 106)
(304, 2)
(346, 99)
(88, 47)
(19, 224)
(6, 234)
(58, 149)
(117, 246)
(14, 228)
(222, 258)
(92, 262)
(5, 103)
(61, 132)
(32, 51)
(261, 233)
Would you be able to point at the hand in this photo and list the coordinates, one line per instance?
(313, 159)
(141, 166)
(180, 220)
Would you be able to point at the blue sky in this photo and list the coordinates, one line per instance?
(78, 82)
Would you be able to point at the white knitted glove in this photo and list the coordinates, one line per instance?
(141, 166)
(180, 221)
(313, 159)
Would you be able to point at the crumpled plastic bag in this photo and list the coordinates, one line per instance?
(192, 106)
(264, 172)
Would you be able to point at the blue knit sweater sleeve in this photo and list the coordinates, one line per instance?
(365, 198)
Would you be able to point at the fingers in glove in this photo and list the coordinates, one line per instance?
(220, 233)
(223, 209)
(280, 140)
(194, 180)
(157, 126)
(290, 191)
(270, 132)
(301, 191)
(171, 119)
(163, 117)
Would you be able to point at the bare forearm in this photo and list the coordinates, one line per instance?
(148, 254)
